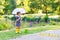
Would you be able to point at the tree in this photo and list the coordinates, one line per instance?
(45, 5)
(1, 6)
(35, 4)
(9, 6)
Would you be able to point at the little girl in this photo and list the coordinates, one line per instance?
(18, 23)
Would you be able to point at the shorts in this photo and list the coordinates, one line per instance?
(18, 24)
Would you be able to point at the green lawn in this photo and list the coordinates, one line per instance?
(12, 34)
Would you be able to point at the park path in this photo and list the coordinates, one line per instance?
(47, 35)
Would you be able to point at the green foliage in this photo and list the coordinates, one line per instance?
(30, 18)
(58, 19)
(43, 24)
(52, 23)
(32, 6)
(55, 19)
(46, 18)
(49, 5)
(13, 18)
(5, 16)
(9, 6)
(1, 27)
(4, 25)
(0, 16)
(26, 31)
(11, 34)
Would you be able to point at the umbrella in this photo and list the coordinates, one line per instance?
(22, 10)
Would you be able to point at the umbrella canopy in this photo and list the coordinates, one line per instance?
(22, 10)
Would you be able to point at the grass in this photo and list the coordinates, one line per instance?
(12, 34)
(28, 30)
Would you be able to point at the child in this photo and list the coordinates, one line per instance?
(18, 18)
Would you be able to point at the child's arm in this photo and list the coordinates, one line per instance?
(18, 19)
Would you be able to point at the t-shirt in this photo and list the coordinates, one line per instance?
(17, 17)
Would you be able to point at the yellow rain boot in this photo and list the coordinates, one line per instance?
(17, 30)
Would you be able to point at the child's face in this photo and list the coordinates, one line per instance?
(19, 14)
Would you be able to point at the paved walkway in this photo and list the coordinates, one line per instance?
(47, 35)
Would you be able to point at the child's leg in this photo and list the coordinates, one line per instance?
(17, 29)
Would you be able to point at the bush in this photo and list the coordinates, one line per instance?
(1, 27)
(52, 23)
(13, 18)
(24, 18)
(5, 16)
(46, 18)
(30, 19)
(0, 16)
(43, 24)
(26, 31)
(4, 25)
(58, 19)
(55, 19)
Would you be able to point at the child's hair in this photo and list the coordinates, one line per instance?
(18, 13)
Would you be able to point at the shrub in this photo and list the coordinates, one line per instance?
(0, 16)
(24, 18)
(26, 31)
(46, 18)
(13, 18)
(43, 24)
(5, 16)
(52, 23)
(55, 19)
(30, 19)
(4, 25)
(1, 27)
(58, 19)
